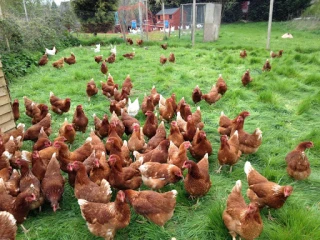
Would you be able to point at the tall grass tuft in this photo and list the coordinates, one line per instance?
(304, 106)
(267, 97)
(312, 79)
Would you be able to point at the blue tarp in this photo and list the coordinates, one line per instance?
(166, 23)
(116, 18)
(133, 24)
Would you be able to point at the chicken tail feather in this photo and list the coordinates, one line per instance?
(247, 167)
(238, 186)
(82, 202)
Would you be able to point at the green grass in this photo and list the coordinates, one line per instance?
(284, 103)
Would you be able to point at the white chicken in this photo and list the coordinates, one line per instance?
(97, 49)
(113, 49)
(133, 107)
(51, 52)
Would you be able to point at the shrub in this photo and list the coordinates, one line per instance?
(27, 42)
(18, 64)
(282, 9)
(232, 12)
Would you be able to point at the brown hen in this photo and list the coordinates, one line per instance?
(197, 182)
(58, 105)
(298, 165)
(157, 207)
(105, 219)
(240, 218)
(80, 120)
(264, 192)
(91, 89)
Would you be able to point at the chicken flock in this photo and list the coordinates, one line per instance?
(105, 163)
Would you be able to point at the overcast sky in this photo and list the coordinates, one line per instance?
(59, 1)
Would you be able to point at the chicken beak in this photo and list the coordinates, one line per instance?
(55, 207)
(70, 167)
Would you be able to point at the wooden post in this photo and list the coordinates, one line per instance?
(164, 26)
(140, 19)
(269, 24)
(181, 20)
(193, 21)
(147, 20)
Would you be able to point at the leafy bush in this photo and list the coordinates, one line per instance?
(282, 9)
(18, 64)
(232, 12)
(11, 30)
(27, 42)
(313, 10)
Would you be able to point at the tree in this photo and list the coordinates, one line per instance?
(283, 10)
(54, 5)
(95, 15)
(313, 10)
(12, 6)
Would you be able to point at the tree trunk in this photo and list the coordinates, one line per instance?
(7, 40)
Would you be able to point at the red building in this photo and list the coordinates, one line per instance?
(172, 15)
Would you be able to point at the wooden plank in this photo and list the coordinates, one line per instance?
(5, 108)
(3, 91)
(2, 82)
(1, 73)
(6, 118)
(5, 127)
(0, 64)
(4, 100)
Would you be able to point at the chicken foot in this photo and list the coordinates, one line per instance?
(219, 170)
(24, 229)
(269, 216)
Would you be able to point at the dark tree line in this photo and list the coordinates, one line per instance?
(95, 15)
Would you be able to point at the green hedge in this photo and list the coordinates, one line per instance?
(283, 10)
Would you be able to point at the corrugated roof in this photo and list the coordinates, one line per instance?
(168, 11)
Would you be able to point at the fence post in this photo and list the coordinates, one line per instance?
(193, 21)
(140, 20)
(269, 24)
(147, 20)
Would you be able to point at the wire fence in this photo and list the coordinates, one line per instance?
(186, 18)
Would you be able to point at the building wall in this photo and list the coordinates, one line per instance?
(174, 21)
(6, 116)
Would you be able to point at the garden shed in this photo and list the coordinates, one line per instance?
(6, 116)
(172, 15)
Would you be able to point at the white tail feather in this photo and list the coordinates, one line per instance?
(247, 167)
(238, 186)
(82, 202)
(175, 192)
(107, 186)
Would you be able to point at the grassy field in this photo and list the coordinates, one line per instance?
(284, 103)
